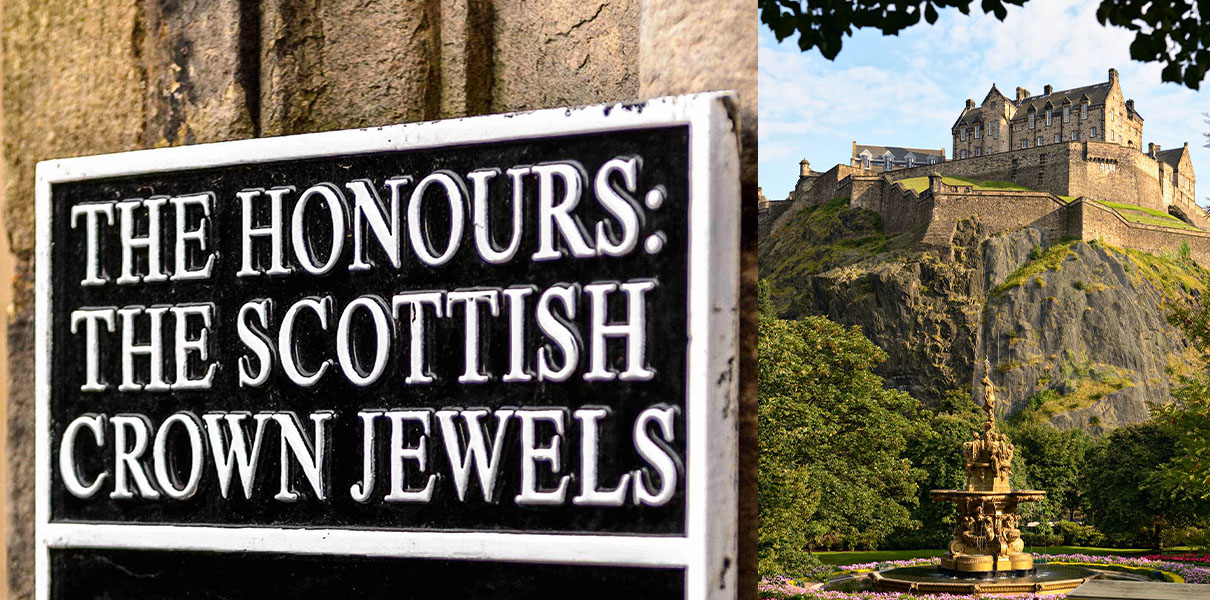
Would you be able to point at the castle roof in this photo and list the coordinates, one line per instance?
(899, 153)
(1172, 156)
(1095, 93)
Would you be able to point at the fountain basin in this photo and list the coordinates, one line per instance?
(928, 579)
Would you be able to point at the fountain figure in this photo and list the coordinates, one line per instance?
(987, 539)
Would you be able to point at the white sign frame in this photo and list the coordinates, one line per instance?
(707, 550)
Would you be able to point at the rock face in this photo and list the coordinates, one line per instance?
(1076, 333)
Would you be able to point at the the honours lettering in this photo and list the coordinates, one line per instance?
(526, 335)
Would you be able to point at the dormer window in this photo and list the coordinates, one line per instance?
(1049, 113)
(1083, 111)
(1066, 114)
(1032, 119)
(911, 160)
(887, 162)
(865, 162)
(978, 129)
(932, 160)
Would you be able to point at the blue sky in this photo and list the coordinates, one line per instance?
(907, 90)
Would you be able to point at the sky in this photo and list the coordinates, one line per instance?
(908, 90)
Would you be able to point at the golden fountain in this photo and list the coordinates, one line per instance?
(987, 539)
(987, 553)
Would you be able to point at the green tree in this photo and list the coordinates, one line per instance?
(831, 441)
(1171, 33)
(1120, 483)
(937, 450)
(1054, 461)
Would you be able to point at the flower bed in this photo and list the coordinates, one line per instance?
(1170, 567)
(1201, 559)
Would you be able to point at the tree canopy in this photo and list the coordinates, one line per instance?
(1169, 33)
(831, 440)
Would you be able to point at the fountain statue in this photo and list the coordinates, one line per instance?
(987, 539)
(987, 554)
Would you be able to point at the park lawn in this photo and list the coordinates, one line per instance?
(1148, 216)
(850, 558)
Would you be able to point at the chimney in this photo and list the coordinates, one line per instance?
(1153, 149)
(1113, 76)
(1048, 89)
(970, 104)
(1130, 106)
(804, 168)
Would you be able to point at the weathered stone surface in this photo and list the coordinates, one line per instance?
(196, 79)
(701, 46)
(340, 65)
(88, 77)
(564, 53)
(687, 47)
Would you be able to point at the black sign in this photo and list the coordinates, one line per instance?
(441, 348)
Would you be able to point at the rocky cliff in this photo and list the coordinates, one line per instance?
(1076, 332)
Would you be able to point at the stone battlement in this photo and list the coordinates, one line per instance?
(1070, 184)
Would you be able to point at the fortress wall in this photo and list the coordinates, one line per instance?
(1099, 222)
(1194, 212)
(1118, 174)
(998, 210)
(814, 191)
(1042, 168)
(865, 191)
(903, 211)
(767, 213)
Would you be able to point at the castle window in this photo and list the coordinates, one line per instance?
(1075, 135)
(1083, 111)
(1066, 114)
(865, 162)
(996, 130)
(979, 151)
(964, 154)
(1024, 143)
(1039, 140)
(1032, 121)
(978, 129)
(1093, 133)
(964, 134)
(1058, 138)
(1049, 113)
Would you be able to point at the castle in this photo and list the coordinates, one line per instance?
(1069, 162)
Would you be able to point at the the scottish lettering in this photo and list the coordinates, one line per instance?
(493, 357)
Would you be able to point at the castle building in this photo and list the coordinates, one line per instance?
(881, 159)
(1097, 112)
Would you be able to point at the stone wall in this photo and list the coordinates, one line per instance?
(1098, 222)
(997, 210)
(1117, 174)
(904, 211)
(1042, 168)
(84, 77)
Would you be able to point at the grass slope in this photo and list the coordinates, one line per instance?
(818, 239)
(919, 184)
(1148, 216)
